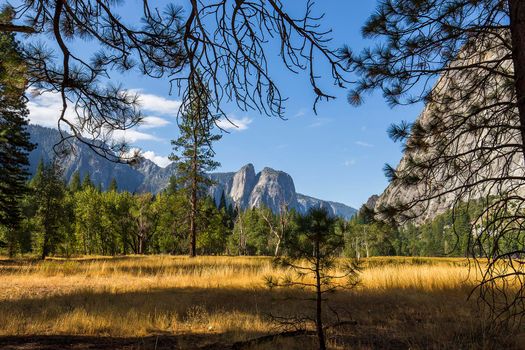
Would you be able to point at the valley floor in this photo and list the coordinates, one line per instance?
(165, 302)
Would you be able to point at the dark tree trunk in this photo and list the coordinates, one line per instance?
(11, 243)
(319, 297)
(193, 199)
(45, 248)
(517, 30)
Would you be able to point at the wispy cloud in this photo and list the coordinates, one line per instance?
(233, 123)
(320, 122)
(152, 122)
(364, 144)
(157, 104)
(132, 136)
(300, 113)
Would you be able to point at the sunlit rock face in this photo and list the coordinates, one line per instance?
(269, 188)
(273, 189)
(467, 144)
(244, 188)
(243, 183)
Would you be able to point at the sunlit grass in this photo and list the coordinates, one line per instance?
(226, 297)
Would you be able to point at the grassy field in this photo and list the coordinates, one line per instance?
(161, 302)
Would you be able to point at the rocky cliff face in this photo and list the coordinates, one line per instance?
(244, 188)
(465, 144)
(270, 188)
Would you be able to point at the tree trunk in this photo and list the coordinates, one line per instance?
(193, 199)
(517, 31)
(11, 243)
(319, 296)
(45, 248)
(277, 246)
(47, 228)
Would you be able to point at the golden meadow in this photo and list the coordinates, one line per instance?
(399, 302)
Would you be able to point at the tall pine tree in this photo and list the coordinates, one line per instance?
(75, 183)
(49, 192)
(14, 144)
(193, 151)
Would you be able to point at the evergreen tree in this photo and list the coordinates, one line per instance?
(193, 152)
(113, 187)
(222, 201)
(49, 192)
(86, 182)
(315, 261)
(75, 183)
(466, 61)
(173, 185)
(16, 144)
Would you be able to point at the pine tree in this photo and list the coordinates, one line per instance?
(75, 184)
(222, 202)
(86, 182)
(315, 261)
(194, 154)
(466, 61)
(113, 187)
(15, 144)
(49, 192)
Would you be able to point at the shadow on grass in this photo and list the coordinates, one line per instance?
(214, 318)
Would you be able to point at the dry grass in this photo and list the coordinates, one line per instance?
(400, 303)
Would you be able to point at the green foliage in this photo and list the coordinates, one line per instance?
(213, 231)
(49, 193)
(194, 154)
(75, 184)
(89, 221)
(113, 186)
(86, 182)
(251, 234)
(447, 234)
(314, 255)
(15, 144)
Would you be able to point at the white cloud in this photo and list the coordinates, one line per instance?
(159, 160)
(233, 123)
(157, 104)
(131, 136)
(364, 144)
(151, 122)
(45, 109)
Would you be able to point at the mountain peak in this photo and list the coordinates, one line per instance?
(245, 188)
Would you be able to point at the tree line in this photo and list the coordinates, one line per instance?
(79, 218)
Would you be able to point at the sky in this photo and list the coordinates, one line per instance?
(336, 155)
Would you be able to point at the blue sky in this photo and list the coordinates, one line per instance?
(336, 155)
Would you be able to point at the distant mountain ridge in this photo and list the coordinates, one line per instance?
(245, 188)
